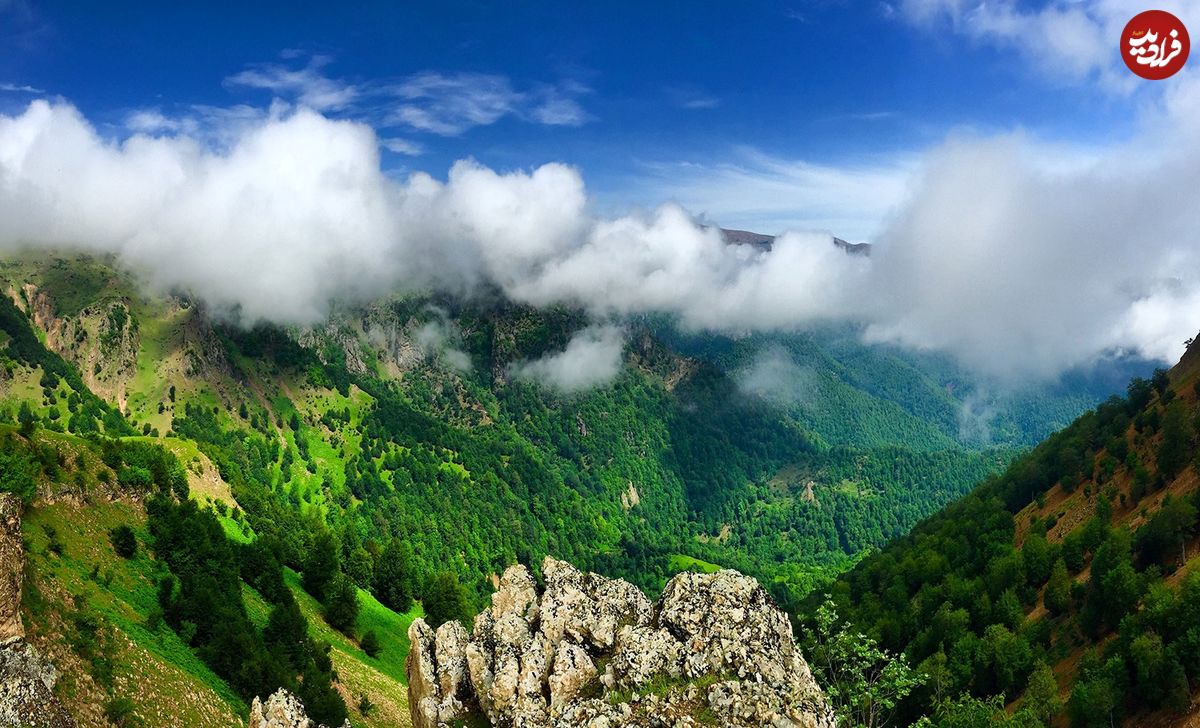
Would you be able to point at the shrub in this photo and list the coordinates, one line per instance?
(370, 643)
(124, 542)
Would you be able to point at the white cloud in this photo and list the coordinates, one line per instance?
(440, 340)
(692, 97)
(402, 146)
(450, 104)
(558, 109)
(1066, 41)
(1021, 257)
(433, 102)
(774, 376)
(591, 358)
(1008, 255)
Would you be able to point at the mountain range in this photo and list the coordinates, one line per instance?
(420, 445)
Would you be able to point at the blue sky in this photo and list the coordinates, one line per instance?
(631, 93)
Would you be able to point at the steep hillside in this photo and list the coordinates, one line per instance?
(1069, 579)
(122, 655)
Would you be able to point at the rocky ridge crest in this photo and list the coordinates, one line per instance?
(592, 651)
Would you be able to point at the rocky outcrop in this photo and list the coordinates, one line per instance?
(592, 651)
(282, 710)
(26, 678)
(12, 568)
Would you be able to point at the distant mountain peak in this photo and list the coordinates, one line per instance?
(765, 242)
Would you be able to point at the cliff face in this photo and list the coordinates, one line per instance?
(26, 678)
(591, 651)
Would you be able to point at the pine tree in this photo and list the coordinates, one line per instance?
(393, 576)
(445, 600)
(1173, 453)
(27, 419)
(341, 604)
(321, 564)
(370, 643)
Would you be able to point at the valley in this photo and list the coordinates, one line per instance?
(400, 442)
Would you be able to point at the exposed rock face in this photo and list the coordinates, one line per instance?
(101, 339)
(282, 710)
(26, 684)
(591, 651)
(12, 567)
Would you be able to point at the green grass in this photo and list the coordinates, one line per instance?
(74, 284)
(683, 562)
(390, 627)
(122, 594)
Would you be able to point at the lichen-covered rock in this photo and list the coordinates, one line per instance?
(282, 710)
(26, 678)
(26, 689)
(588, 608)
(573, 671)
(713, 644)
(641, 654)
(517, 595)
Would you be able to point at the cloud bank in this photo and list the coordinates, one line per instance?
(1020, 257)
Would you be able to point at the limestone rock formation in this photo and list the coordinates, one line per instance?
(282, 710)
(591, 651)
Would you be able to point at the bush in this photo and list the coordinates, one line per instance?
(370, 643)
(124, 541)
(120, 712)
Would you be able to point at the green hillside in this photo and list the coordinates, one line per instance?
(1067, 584)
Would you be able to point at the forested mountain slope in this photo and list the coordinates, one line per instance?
(402, 453)
(390, 419)
(1069, 579)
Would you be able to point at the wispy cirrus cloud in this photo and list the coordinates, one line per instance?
(308, 85)
(18, 88)
(451, 104)
(432, 102)
(692, 97)
(406, 147)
